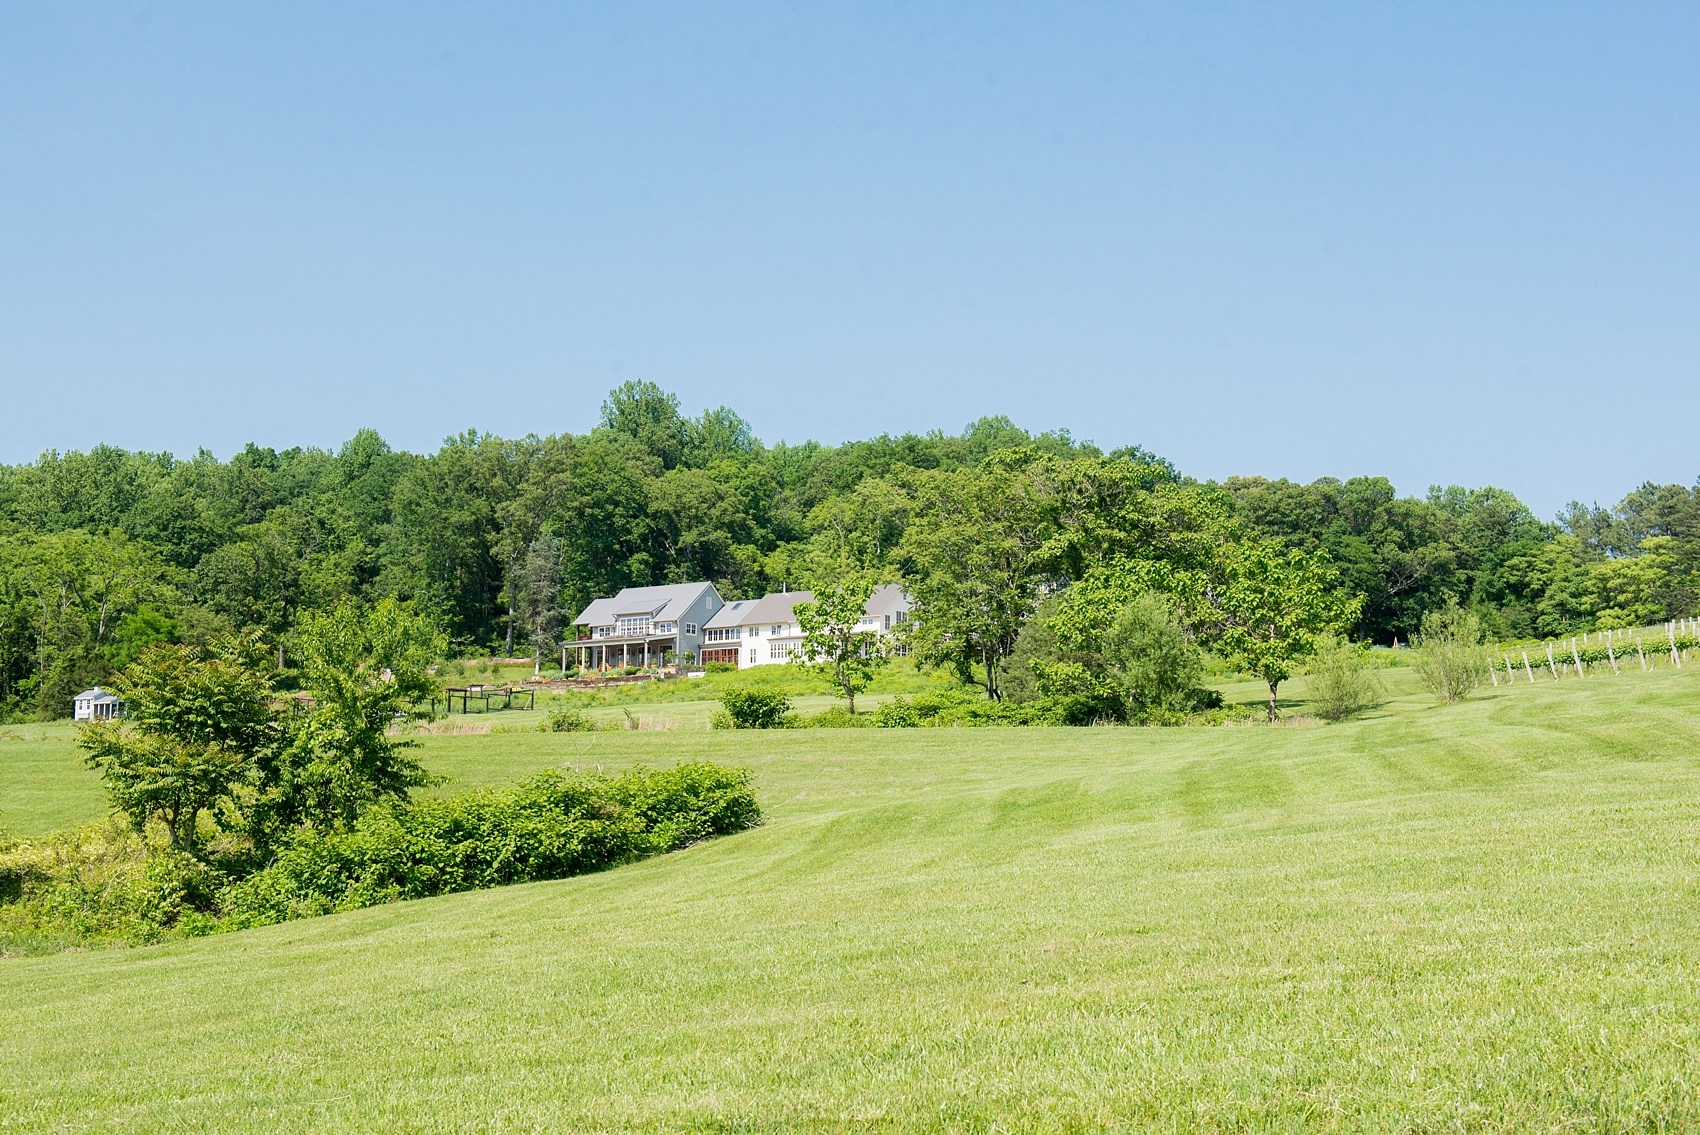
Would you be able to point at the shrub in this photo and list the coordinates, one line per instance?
(1153, 657)
(99, 883)
(1342, 680)
(720, 667)
(756, 709)
(837, 717)
(1451, 659)
(898, 713)
(564, 719)
(547, 827)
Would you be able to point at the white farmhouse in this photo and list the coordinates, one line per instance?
(644, 626)
(758, 632)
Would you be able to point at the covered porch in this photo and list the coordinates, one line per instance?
(624, 650)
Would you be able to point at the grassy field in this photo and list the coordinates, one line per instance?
(1476, 917)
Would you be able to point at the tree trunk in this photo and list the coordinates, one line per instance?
(511, 589)
(1273, 682)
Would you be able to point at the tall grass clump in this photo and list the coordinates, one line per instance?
(1452, 656)
(567, 719)
(1342, 680)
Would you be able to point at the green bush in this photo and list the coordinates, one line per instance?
(720, 667)
(102, 883)
(756, 709)
(1343, 681)
(898, 713)
(548, 827)
(959, 708)
(837, 717)
(565, 719)
(1451, 658)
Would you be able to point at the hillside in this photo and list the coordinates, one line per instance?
(1482, 916)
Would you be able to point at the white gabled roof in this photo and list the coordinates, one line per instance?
(666, 603)
(97, 695)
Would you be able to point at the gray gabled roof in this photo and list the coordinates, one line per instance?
(887, 599)
(771, 609)
(776, 607)
(666, 603)
(97, 695)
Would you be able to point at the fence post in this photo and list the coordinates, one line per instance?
(1642, 651)
(1551, 665)
(1610, 656)
(1527, 669)
(1671, 627)
(1577, 658)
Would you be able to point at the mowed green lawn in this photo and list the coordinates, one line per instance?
(1477, 917)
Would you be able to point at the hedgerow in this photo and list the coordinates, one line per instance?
(107, 884)
(548, 827)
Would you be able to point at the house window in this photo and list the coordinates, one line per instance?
(690, 628)
(778, 628)
(721, 634)
(635, 626)
(755, 632)
(779, 650)
(752, 658)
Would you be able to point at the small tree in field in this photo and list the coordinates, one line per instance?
(365, 667)
(1271, 607)
(1342, 682)
(199, 718)
(1451, 657)
(834, 641)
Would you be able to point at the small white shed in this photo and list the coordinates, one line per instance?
(96, 705)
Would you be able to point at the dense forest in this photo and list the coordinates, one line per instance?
(501, 541)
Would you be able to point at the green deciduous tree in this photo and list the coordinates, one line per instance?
(836, 642)
(975, 563)
(365, 668)
(200, 719)
(1269, 605)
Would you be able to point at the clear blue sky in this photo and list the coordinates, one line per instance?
(1443, 243)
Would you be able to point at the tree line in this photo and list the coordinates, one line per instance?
(499, 542)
